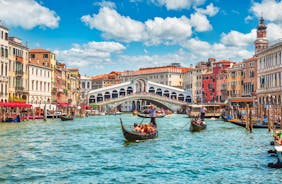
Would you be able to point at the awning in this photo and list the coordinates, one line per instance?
(15, 104)
(241, 99)
(64, 104)
(87, 107)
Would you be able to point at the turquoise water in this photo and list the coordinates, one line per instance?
(93, 150)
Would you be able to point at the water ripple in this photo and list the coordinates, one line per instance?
(93, 150)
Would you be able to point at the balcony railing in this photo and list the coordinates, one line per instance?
(19, 88)
(19, 72)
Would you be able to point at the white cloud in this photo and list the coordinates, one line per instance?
(89, 54)
(248, 18)
(271, 12)
(178, 4)
(115, 25)
(274, 31)
(200, 22)
(27, 14)
(201, 50)
(108, 4)
(270, 9)
(235, 38)
(169, 30)
(210, 10)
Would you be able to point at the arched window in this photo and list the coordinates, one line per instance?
(83, 85)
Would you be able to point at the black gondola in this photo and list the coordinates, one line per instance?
(135, 136)
(197, 125)
(142, 115)
(66, 118)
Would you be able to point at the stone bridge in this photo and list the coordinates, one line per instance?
(168, 103)
(136, 94)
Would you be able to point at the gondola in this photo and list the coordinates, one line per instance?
(142, 115)
(135, 136)
(66, 118)
(197, 125)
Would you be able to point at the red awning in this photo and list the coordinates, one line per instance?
(15, 104)
(87, 107)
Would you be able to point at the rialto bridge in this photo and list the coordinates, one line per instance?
(137, 93)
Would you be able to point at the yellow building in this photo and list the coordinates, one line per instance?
(234, 80)
(18, 70)
(73, 86)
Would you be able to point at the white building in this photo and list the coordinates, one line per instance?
(172, 75)
(4, 63)
(270, 74)
(85, 87)
(40, 78)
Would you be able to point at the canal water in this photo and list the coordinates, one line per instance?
(93, 150)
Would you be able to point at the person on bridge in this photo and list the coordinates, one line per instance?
(152, 112)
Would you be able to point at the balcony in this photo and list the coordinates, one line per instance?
(19, 59)
(19, 73)
(19, 88)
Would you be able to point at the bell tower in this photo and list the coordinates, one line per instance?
(261, 42)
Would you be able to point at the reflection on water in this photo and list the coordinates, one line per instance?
(93, 150)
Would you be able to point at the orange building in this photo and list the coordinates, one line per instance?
(105, 80)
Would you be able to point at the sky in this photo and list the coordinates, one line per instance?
(99, 36)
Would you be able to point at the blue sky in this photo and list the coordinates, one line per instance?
(104, 36)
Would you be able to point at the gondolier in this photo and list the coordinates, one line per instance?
(152, 112)
(203, 112)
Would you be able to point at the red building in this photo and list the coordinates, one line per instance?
(209, 79)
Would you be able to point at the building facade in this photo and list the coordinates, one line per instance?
(172, 75)
(18, 70)
(40, 77)
(4, 63)
(73, 86)
(270, 74)
(85, 87)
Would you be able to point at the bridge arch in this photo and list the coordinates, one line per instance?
(140, 85)
(129, 90)
(107, 95)
(173, 95)
(181, 97)
(99, 97)
(159, 92)
(166, 93)
(152, 90)
(122, 92)
(92, 99)
(114, 94)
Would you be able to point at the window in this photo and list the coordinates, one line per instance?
(32, 56)
(45, 56)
